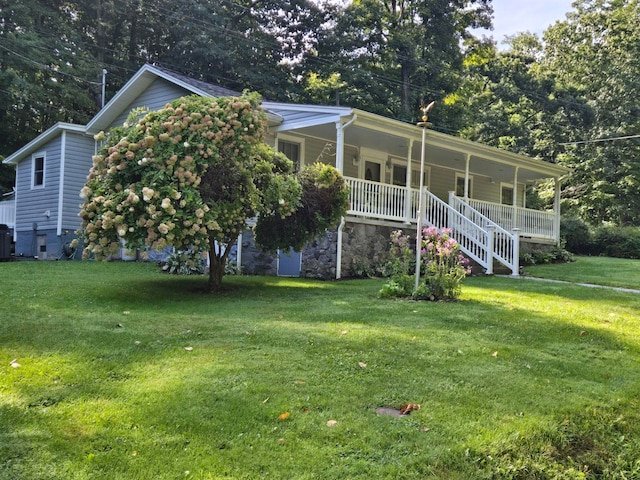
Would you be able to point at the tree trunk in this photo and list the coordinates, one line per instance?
(216, 272)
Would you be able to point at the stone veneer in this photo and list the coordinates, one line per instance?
(362, 245)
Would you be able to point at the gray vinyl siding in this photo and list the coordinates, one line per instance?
(78, 153)
(156, 96)
(31, 203)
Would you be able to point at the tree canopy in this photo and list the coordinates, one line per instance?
(191, 174)
(559, 98)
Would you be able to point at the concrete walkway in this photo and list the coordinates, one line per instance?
(590, 285)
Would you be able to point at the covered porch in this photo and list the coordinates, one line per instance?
(479, 192)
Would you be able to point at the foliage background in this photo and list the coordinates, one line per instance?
(555, 98)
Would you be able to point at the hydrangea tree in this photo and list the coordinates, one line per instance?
(190, 175)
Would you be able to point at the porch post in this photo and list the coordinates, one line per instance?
(515, 199)
(466, 177)
(556, 210)
(407, 199)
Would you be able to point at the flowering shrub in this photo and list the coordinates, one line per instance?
(189, 176)
(442, 267)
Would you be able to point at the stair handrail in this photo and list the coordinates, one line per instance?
(505, 247)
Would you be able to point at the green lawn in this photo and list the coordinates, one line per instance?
(613, 272)
(122, 372)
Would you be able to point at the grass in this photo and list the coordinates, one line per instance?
(612, 272)
(127, 373)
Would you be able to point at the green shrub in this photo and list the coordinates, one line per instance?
(557, 254)
(185, 263)
(621, 242)
(577, 235)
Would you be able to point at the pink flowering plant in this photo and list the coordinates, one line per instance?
(442, 266)
(189, 176)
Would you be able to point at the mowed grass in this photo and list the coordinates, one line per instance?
(612, 272)
(122, 372)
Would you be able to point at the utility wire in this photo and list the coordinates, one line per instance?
(597, 140)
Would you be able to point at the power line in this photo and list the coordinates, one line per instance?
(597, 140)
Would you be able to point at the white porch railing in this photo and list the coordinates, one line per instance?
(479, 237)
(8, 213)
(506, 246)
(532, 223)
(382, 201)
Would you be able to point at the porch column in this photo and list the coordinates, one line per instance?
(466, 177)
(556, 210)
(407, 199)
(515, 199)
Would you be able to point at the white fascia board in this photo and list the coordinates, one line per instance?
(42, 139)
(304, 123)
(388, 125)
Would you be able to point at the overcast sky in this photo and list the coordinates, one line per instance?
(514, 16)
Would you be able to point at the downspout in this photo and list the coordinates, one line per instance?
(340, 167)
(339, 252)
(340, 142)
(63, 148)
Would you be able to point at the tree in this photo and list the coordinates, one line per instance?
(190, 175)
(393, 53)
(45, 75)
(596, 53)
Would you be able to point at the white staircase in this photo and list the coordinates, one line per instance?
(480, 239)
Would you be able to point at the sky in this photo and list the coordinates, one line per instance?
(514, 16)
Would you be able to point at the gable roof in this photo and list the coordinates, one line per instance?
(41, 140)
(141, 81)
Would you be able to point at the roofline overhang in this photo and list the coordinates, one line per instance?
(413, 132)
(42, 139)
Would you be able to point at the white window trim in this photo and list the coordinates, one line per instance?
(415, 172)
(507, 185)
(292, 139)
(455, 184)
(42, 155)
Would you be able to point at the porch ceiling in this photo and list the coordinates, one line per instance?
(393, 138)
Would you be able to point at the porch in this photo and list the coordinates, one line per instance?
(486, 232)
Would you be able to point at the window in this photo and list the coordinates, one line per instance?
(460, 185)
(291, 150)
(506, 194)
(37, 178)
(400, 176)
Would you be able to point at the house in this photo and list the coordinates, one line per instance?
(477, 191)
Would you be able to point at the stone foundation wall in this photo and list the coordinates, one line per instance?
(254, 260)
(364, 247)
(319, 258)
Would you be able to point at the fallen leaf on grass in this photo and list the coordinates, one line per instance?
(284, 416)
(583, 332)
(188, 349)
(408, 408)
(362, 364)
(137, 342)
(14, 363)
(343, 332)
(332, 423)
(494, 354)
